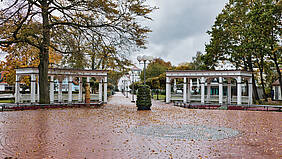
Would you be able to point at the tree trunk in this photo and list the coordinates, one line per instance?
(44, 57)
(262, 83)
(255, 91)
(93, 62)
(261, 65)
(278, 71)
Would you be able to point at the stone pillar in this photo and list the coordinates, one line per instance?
(220, 87)
(17, 89)
(38, 97)
(279, 94)
(126, 88)
(105, 90)
(51, 89)
(198, 84)
(101, 90)
(191, 85)
(70, 89)
(208, 90)
(174, 86)
(168, 88)
(250, 91)
(202, 90)
(80, 90)
(60, 91)
(185, 90)
(229, 95)
(33, 86)
(87, 91)
(239, 90)
(189, 91)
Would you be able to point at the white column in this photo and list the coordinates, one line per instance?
(17, 89)
(198, 84)
(229, 91)
(189, 91)
(80, 90)
(51, 89)
(168, 87)
(185, 90)
(33, 85)
(250, 91)
(60, 91)
(70, 89)
(38, 89)
(101, 90)
(191, 84)
(208, 90)
(239, 91)
(202, 90)
(220, 87)
(105, 90)
(174, 85)
(279, 94)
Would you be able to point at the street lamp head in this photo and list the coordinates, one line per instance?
(144, 58)
(150, 58)
(139, 58)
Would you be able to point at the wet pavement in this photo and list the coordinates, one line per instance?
(118, 130)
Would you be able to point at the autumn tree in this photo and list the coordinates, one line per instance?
(40, 23)
(265, 24)
(245, 33)
(184, 66)
(22, 55)
(156, 68)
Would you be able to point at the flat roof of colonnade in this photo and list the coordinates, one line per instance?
(208, 73)
(63, 71)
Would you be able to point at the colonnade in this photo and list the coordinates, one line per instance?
(205, 78)
(60, 75)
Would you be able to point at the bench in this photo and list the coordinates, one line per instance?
(180, 103)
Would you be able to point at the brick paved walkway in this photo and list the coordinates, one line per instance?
(110, 132)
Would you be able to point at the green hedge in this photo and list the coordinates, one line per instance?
(144, 98)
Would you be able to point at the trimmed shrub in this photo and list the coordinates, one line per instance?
(144, 98)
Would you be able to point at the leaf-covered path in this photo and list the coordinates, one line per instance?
(118, 130)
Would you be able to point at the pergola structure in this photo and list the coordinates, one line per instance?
(223, 78)
(59, 75)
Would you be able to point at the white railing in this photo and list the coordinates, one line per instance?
(26, 98)
(213, 98)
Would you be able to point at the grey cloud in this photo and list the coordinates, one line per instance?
(180, 26)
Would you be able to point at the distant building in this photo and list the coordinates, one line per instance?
(4, 86)
(225, 65)
(277, 94)
(126, 80)
(65, 87)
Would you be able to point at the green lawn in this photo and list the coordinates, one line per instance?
(161, 97)
(7, 101)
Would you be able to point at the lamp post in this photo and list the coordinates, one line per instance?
(145, 59)
(127, 80)
(133, 74)
(123, 82)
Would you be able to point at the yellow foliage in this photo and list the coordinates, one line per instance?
(20, 56)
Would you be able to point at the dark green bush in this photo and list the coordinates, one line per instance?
(144, 98)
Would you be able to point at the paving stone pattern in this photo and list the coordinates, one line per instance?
(117, 130)
(186, 132)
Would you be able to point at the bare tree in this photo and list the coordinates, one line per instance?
(40, 22)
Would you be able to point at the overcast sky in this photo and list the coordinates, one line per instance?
(179, 28)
